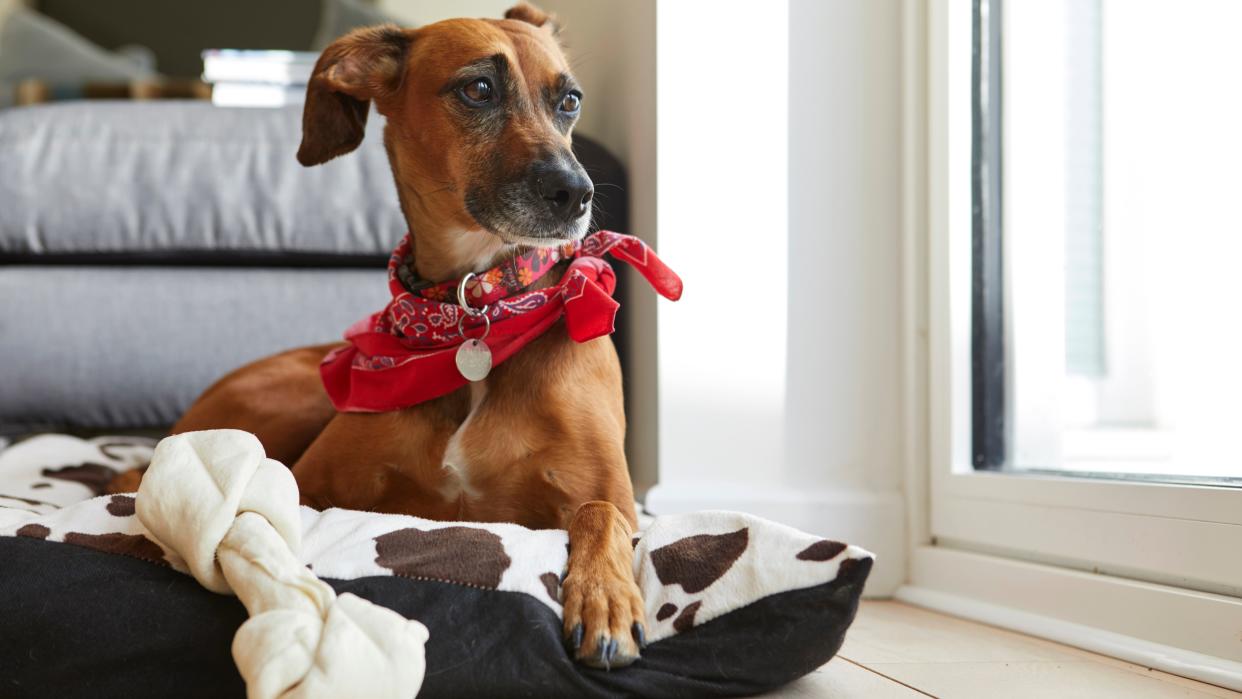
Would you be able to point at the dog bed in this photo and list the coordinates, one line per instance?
(95, 604)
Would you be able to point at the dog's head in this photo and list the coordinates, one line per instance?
(479, 120)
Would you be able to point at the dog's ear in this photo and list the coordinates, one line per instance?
(526, 12)
(365, 64)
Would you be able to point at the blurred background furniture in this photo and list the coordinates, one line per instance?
(60, 49)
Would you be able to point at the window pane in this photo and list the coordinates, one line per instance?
(1122, 191)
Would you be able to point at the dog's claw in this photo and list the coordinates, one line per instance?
(576, 637)
(604, 657)
(640, 635)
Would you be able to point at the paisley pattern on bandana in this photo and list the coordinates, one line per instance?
(506, 279)
(426, 316)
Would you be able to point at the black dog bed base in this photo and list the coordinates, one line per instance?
(83, 623)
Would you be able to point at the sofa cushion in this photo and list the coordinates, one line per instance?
(188, 180)
(104, 348)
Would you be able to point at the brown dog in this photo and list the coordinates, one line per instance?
(478, 134)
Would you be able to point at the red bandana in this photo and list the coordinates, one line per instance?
(405, 354)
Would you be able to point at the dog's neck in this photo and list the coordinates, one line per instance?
(446, 242)
(441, 254)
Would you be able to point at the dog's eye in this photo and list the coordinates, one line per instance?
(477, 92)
(571, 103)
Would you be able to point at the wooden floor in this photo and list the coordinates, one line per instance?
(895, 650)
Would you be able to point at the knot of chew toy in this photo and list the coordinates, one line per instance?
(215, 500)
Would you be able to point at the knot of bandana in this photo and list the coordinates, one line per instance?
(405, 354)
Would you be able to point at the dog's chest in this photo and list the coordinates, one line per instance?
(455, 469)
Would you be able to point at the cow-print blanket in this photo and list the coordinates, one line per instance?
(691, 568)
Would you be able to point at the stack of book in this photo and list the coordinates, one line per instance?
(241, 78)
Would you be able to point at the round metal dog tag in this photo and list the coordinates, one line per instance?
(474, 360)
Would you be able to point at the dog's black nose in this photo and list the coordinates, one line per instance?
(567, 190)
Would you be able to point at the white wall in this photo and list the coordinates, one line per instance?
(844, 410)
(805, 425)
(724, 166)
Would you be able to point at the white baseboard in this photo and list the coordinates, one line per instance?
(874, 521)
(1183, 632)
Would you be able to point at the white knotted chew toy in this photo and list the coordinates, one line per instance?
(232, 514)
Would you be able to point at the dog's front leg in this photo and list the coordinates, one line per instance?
(604, 617)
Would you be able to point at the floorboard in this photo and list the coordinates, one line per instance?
(896, 650)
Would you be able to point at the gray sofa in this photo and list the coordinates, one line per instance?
(146, 248)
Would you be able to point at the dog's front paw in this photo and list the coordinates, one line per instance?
(604, 618)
